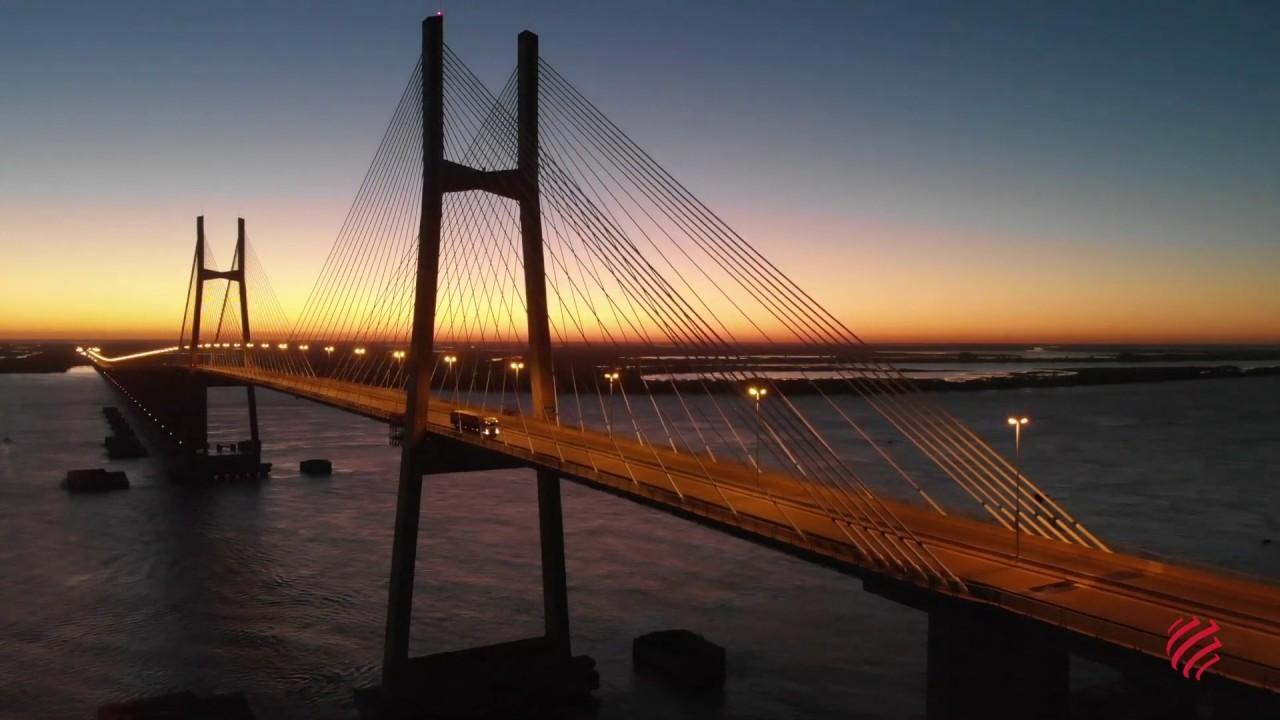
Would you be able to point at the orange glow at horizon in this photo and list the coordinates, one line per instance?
(888, 283)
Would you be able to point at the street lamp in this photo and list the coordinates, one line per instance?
(304, 348)
(449, 360)
(358, 351)
(398, 355)
(517, 365)
(611, 377)
(757, 394)
(328, 350)
(1017, 423)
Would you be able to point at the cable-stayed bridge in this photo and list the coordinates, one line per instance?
(519, 284)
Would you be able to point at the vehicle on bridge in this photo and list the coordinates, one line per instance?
(469, 422)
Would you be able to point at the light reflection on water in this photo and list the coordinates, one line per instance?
(278, 590)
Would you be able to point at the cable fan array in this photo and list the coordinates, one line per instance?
(671, 333)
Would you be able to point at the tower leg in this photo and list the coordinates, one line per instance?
(195, 425)
(404, 554)
(253, 418)
(555, 592)
(404, 549)
(245, 336)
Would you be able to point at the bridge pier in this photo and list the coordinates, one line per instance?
(195, 421)
(521, 678)
(985, 663)
(555, 591)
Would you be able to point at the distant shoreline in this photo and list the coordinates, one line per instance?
(1078, 377)
(1075, 377)
(1073, 366)
(40, 363)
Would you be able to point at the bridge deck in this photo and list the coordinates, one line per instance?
(1121, 599)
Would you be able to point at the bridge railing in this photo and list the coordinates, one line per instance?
(1119, 634)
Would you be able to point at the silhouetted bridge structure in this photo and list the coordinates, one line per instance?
(519, 257)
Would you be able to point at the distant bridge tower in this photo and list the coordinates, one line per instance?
(195, 418)
(521, 184)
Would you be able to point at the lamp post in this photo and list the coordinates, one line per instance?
(328, 359)
(611, 377)
(449, 360)
(1017, 423)
(399, 358)
(757, 394)
(517, 365)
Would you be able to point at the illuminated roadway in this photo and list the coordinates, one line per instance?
(1121, 599)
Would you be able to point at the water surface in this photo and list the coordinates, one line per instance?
(278, 589)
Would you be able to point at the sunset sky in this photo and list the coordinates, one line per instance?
(1012, 172)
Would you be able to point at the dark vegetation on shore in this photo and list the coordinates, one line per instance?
(1030, 379)
(39, 357)
(1210, 355)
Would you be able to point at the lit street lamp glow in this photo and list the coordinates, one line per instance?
(611, 377)
(757, 394)
(517, 365)
(1017, 423)
(449, 360)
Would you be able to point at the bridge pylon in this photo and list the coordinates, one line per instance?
(195, 416)
(520, 184)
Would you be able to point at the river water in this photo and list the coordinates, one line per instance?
(277, 590)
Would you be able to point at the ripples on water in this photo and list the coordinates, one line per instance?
(277, 590)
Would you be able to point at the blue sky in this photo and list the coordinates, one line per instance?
(992, 137)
